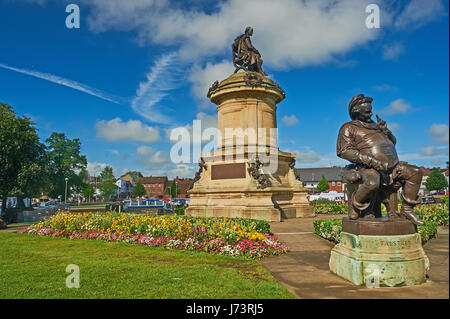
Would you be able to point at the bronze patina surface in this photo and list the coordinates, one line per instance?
(378, 226)
(228, 171)
(245, 55)
(376, 174)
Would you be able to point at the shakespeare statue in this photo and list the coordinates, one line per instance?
(245, 56)
(376, 174)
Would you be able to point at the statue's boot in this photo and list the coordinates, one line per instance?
(408, 210)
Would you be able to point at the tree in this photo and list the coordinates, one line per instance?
(106, 182)
(173, 189)
(88, 191)
(22, 156)
(65, 161)
(106, 175)
(436, 181)
(323, 185)
(139, 190)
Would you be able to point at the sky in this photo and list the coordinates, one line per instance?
(135, 70)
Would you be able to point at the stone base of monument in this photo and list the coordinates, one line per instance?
(230, 185)
(226, 189)
(380, 252)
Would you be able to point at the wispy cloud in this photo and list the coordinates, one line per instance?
(65, 82)
(162, 78)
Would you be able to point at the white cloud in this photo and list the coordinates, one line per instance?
(306, 157)
(439, 133)
(289, 120)
(393, 126)
(392, 51)
(417, 13)
(148, 155)
(95, 168)
(203, 78)
(429, 151)
(287, 32)
(172, 170)
(116, 130)
(397, 106)
(65, 82)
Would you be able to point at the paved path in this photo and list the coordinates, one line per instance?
(12, 229)
(305, 273)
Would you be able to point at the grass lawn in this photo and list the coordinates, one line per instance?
(34, 267)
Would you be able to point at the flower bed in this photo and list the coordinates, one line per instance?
(331, 229)
(437, 213)
(226, 236)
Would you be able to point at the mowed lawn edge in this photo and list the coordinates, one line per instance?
(34, 267)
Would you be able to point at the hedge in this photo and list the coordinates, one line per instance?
(331, 229)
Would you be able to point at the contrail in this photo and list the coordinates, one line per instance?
(162, 77)
(65, 82)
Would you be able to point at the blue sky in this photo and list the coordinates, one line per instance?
(136, 69)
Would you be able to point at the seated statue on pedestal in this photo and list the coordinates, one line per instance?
(245, 55)
(375, 174)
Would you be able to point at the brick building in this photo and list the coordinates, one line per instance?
(155, 186)
(183, 185)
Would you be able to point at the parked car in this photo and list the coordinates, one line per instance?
(428, 200)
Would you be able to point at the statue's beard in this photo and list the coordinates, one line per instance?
(367, 119)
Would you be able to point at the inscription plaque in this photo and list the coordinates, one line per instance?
(228, 171)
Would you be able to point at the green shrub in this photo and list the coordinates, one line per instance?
(331, 229)
(179, 210)
(444, 199)
(2, 224)
(331, 208)
(322, 201)
(436, 213)
(427, 231)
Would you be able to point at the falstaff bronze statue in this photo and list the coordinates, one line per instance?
(375, 174)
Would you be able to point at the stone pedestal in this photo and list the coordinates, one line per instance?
(372, 258)
(246, 105)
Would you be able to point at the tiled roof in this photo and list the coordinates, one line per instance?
(315, 174)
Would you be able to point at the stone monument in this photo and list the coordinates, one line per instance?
(247, 175)
(386, 250)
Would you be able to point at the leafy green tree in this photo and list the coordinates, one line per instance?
(139, 190)
(323, 184)
(435, 181)
(65, 161)
(106, 182)
(88, 191)
(173, 189)
(22, 156)
(108, 189)
(106, 175)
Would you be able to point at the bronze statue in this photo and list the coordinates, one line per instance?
(245, 56)
(375, 170)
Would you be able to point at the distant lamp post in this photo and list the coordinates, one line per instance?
(65, 193)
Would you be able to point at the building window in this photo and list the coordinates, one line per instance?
(339, 183)
(333, 183)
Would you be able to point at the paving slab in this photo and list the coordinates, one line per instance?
(304, 271)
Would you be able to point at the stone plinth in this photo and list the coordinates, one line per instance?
(247, 103)
(392, 260)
